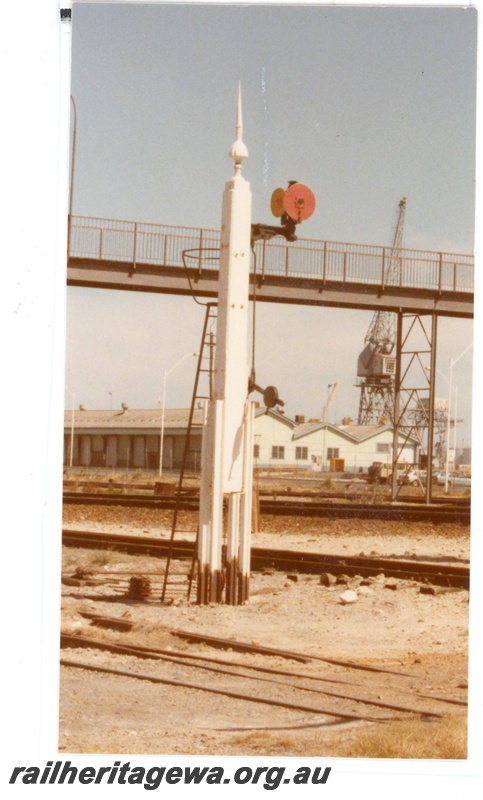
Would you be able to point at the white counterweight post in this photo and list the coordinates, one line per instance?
(246, 509)
(227, 435)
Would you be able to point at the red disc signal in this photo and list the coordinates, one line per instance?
(299, 202)
(276, 203)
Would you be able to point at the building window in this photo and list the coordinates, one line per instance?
(256, 451)
(302, 453)
(278, 452)
(332, 452)
(382, 447)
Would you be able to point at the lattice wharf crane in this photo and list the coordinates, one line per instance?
(376, 367)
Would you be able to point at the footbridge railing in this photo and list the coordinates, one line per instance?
(143, 243)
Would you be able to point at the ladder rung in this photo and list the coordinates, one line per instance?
(208, 340)
(185, 530)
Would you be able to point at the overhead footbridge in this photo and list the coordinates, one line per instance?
(144, 257)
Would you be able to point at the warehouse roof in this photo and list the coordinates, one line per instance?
(177, 418)
(276, 414)
(128, 418)
(357, 433)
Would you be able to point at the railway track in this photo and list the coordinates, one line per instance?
(313, 689)
(456, 512)
(353, 489)
(427, 572)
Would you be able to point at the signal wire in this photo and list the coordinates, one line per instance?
(210, 258)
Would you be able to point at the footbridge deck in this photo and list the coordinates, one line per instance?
(140, 256)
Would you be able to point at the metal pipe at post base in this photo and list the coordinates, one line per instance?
(210, 532)
(246, 508)
(231, 593)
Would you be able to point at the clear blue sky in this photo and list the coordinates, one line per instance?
(365, 105)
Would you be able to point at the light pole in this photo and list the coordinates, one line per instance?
(166, 373)
(326, 410)
(71, 454)
(325, 415)
(455, 421)
(452, 362)
(433, 413)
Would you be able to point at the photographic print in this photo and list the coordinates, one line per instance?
(267, 457)
(267, 464)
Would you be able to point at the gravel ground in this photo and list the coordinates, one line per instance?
(400, 629)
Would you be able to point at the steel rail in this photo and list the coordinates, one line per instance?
(314, 492)
(308, 563)
(250, 647)
(126, 650)
(457, 512)
(366, 511)
(365, 566)
(225, 692)
(74, 640)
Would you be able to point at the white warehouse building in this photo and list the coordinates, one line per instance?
(316, 444)
(131, 438)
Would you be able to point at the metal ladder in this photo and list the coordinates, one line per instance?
(204, 368)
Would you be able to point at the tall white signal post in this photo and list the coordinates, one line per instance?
(227, 449)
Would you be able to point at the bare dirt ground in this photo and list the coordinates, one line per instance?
(401, 629)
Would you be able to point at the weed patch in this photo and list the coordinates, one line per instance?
(441, 739)
(416, 739)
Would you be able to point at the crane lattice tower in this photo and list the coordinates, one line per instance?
(376, 366)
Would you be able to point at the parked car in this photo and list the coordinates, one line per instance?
(380, 472)
(453, 479)
(411, 477)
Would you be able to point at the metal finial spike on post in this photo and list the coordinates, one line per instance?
(239, 119)
(238, 150)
